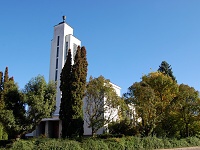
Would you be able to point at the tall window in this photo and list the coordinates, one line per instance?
(66, 50)
(74, 50)
(57, 53)
(56, 75)
(56, 63)
(58, 40)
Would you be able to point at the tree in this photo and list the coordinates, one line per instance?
(25, 109)
(78, 85)
(166, 69)
(187, 108)
(152, 98)
(1, 81)
(65, 113)
(100, 99)
(3, 134)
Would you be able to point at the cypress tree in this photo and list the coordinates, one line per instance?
(6, 78)
(79, 74)
(65, 113)
(1, 91)
(1, 81)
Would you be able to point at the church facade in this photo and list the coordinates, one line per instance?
(63, 40)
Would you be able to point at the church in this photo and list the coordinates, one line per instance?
(63, 40)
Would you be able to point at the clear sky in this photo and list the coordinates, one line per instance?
(124, 39)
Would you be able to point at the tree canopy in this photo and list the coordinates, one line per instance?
(100, 99)
(24, 110)
(151, 98)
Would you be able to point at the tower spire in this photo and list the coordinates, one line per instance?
(64, 18)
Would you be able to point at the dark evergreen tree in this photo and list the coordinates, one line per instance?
(65, 113)
(166, 69)
(1, 90)
(1, 81)
(6, 77)
(79, 74)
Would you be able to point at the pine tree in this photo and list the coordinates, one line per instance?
(166, 69)
(65, 113)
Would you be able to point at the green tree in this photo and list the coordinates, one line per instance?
(100, 99)
(152, 98)
(6, 77)
(166, 69)
(1, 81)
(188, 109)
(78, 85)
(65, 113)
(3, 134)
(25, 109)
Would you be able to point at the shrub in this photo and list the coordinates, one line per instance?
(115, 143)
(133, 143)
(193, 141)
(124, 127)
(167, 143)
(179, 143)
(22, 145)
(93, 144)
(57, 144)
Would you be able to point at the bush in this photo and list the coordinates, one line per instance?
(22, 145)
(124, 143)
(152, 143)
(115, 143)
(55, 144)
(93, 144)
(167, 143)
(179, 143)
(193, 141)
(133, 143)
(124, 127)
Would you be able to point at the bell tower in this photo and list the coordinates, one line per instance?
(63, 40)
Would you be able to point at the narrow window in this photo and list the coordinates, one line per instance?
(56, 63)
(57, 54)
(66, 50)
(56, 75)
(58, 41)
(74, 50)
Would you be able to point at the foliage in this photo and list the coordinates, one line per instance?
(73, 84)
(65, 113)
(124, 127)
(128, 143)
(152, 98)
(100, 99)
(166, 69)
(3, 89)
(94, 144)
(22, 145)
(25, 109)
(115, 143)
(78, 85)
(187, 109)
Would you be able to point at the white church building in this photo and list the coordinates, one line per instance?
(63, 40)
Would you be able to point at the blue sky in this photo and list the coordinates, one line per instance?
(124, 39)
